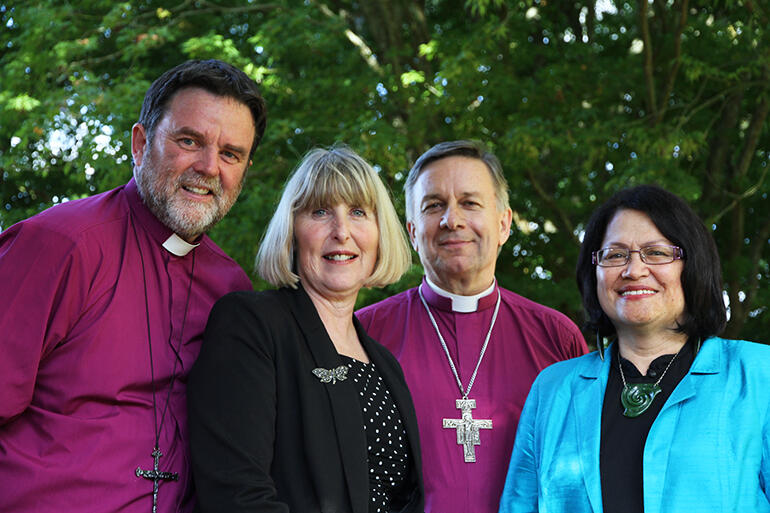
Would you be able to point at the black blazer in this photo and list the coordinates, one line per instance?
(266, 434)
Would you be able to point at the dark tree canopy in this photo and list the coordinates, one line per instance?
(577, 98)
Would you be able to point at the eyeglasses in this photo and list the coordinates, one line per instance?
(653, 255)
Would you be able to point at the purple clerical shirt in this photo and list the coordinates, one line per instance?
(526, 338)
(76, 401)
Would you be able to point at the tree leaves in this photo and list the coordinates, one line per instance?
(577, 100)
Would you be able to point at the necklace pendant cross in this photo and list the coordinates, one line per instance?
(156, 476)
(467, 428)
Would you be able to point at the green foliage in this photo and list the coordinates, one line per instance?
(577, 103)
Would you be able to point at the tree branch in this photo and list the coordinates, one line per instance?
(737, 198)
(227, 10)
(562, 216)
(719, 155)
(757, 246)
(677, 61)
(752, 136)
(572, 13)
(720, 146)
(591, 20)
(757, 10)
(179, 11)
(649, 72)
(661, 9)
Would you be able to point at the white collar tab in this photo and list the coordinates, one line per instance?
(176, 245)
(461, 304)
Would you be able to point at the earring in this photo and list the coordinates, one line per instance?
(600, 345)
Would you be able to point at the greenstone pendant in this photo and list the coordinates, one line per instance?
(637, 397)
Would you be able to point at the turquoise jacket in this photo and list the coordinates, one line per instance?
(708, 450)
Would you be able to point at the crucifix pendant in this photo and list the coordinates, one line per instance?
(467, 428)
(156, 475)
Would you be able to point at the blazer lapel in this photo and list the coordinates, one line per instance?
(707, 362)
(587, 400)
(343, 399)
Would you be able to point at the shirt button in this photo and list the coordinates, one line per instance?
(652, 373)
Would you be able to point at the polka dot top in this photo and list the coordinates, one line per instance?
(387, 443)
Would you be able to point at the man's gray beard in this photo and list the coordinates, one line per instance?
(186, 219)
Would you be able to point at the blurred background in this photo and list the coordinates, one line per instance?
(576, 98)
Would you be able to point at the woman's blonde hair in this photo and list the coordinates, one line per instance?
(327, 177)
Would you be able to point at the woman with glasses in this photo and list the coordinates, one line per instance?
(669, 418)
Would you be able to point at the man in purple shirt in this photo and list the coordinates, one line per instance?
(103, 305)
(470, 349)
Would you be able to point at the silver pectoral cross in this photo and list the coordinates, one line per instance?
(467, 428)
(156, 476)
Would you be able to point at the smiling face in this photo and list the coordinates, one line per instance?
(336, 249)
(457, 228)
(192, 172)
(637, 297)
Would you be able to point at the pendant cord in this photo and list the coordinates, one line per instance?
(657, 383)
(158, 428)
(177, 348)
(465, 393)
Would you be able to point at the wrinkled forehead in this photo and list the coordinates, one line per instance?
(454, 177)
(456, 174)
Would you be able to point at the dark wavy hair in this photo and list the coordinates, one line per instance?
(704, 314)
(214, 76)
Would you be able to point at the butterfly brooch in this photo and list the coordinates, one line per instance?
(331, 375)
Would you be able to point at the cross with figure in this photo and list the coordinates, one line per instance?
(467, 428)
(156, 475)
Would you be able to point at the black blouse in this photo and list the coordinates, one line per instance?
(387, 443)
(623, 438)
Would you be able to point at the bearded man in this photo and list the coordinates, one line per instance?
(104, 304)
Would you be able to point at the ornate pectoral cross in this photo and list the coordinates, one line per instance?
(156, 476)
(468, 428)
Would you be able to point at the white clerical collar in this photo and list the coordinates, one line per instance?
(462, 304)
(176, 245)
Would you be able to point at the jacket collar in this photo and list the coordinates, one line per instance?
(588, 397)
(709, 360)
(348, 420)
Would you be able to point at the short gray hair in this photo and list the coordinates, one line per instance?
(461, 148)
(329, 177)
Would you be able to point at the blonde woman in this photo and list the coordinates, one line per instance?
(292, 406)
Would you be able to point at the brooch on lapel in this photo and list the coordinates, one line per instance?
(326, 375)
